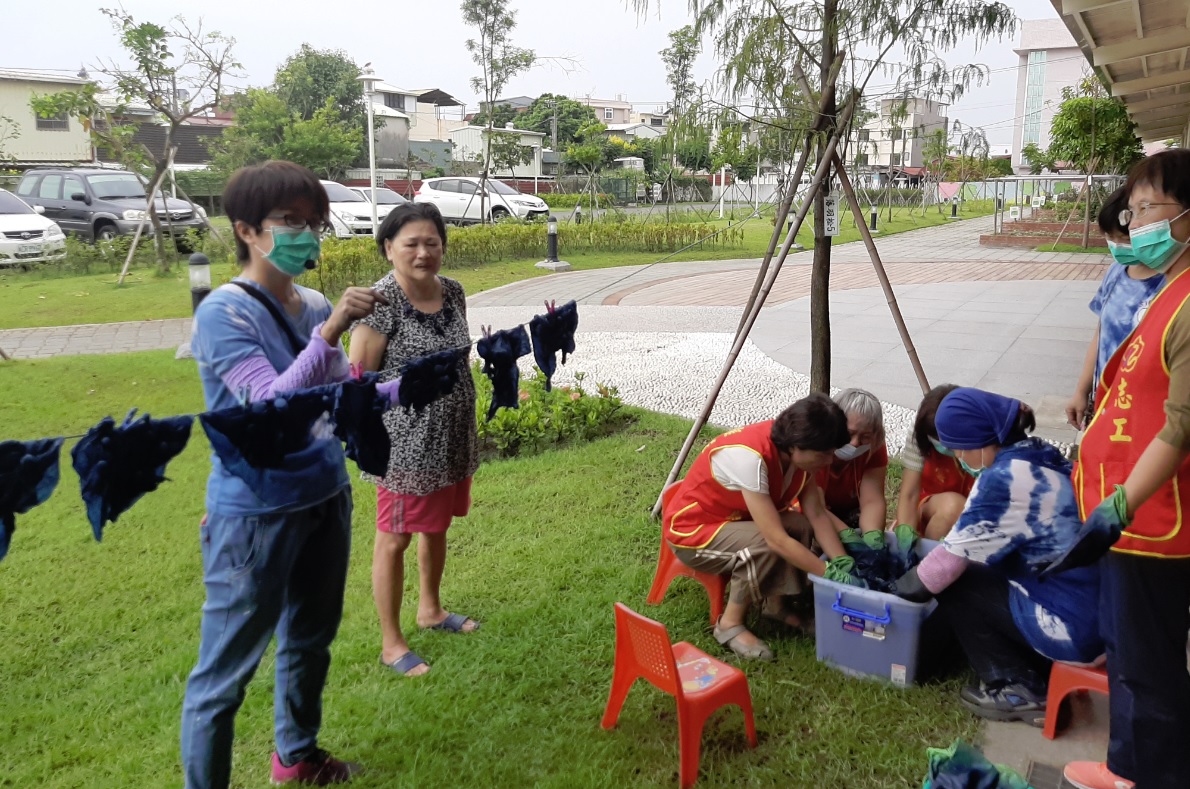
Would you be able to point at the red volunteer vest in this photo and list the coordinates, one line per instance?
(840, 480)
(702, 507)
(1129, 415)
(942, 474)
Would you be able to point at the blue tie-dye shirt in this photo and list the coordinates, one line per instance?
(1020, 516)
(1120, 303)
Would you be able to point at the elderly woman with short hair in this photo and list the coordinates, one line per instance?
(853, 484)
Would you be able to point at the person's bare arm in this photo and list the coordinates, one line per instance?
(907, 505)
(367, 347)
(1076, 407)
(873, 508)
(764, 514)
(822, 521)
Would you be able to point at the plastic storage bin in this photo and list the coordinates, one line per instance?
(869, 634)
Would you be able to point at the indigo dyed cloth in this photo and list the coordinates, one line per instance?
(499, 352)
(553, 332)
(28, 475)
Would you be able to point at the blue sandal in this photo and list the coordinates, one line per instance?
(405, 663)
(454, 623)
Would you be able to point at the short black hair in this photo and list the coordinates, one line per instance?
(1109, 215)
(254, 191)
(1168, 171)
(927, 412)
(403, 215)
(815, 423)
(1026, 423)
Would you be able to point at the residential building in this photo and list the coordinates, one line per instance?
(435, 114)
(1049, 60)
(518, 103)
(609, 111)
(470, 147)
(895, 139)
(658, 119)
(30, 141)
(629, 132)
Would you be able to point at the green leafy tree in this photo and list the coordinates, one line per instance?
(999, 167)
(498, 60)
(507, 152)
(678, 57)
(694, 152)
(500, 116)
(1037, 159)
(572, 116)
(1092, 132)
(735, 151)
(266, 128)
(9, 131)
(165, 60)
(311, 78)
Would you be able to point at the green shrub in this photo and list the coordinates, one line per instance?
(546, 419)
(571, 200)
(355, 261)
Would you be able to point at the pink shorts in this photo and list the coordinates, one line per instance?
(404, 513)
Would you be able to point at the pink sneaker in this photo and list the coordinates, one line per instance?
(1094, 775)
(318, 769)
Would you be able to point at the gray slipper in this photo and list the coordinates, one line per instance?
(405, 663)
(729, 639)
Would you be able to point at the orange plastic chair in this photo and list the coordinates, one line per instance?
(699, 683)
(669, 568)
(1064, 680)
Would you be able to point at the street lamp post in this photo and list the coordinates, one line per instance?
(369, 80)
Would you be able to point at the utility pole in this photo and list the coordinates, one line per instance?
(554, 125)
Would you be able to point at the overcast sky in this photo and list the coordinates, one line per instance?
(420, 44)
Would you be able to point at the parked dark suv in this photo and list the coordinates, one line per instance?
(101, 204)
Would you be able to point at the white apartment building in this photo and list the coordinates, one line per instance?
(1049, 60)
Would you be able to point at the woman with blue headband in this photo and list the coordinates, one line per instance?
(1020, 516)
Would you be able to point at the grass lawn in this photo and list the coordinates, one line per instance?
(44, 299)
(99, 638)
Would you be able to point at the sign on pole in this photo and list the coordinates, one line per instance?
(831, 215)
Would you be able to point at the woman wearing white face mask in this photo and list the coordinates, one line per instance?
(1133, 482)
(853, 484)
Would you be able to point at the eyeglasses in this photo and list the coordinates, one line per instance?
(295, 222)
(1127, 215)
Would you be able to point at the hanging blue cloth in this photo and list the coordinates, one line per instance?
(428, 378)
(28, 475)
(117, 464)
(499, 351)
(359, 424)
(553, 332)
(253, 438)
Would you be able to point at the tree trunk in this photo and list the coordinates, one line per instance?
(158, 239)
(820, 319)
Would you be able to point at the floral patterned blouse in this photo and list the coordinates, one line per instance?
(438, 446)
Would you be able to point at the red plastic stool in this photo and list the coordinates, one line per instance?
(699, 683)
(1064, 680)
(669, 568)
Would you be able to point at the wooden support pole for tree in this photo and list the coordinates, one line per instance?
(140, 228)
(5, 356)
(889, 295)
(753, 314)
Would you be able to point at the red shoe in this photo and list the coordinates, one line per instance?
(1094, 775)
(317, 769)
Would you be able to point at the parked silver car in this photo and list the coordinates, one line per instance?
(459, 199)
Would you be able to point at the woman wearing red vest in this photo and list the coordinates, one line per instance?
(934, 487)
(853, 484)
(1134, 481)
(732, 513)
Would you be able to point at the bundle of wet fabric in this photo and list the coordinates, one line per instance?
(881, 557)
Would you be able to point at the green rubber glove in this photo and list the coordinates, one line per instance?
(850, 537)
(906, 537)
(1117, 502)
(841, 570)
(875, 540)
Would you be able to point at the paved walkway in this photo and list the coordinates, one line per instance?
(1011, 320)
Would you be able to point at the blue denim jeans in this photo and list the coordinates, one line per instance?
(281, 573)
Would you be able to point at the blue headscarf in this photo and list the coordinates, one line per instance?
(973, 419)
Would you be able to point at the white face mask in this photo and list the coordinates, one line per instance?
(851, 452)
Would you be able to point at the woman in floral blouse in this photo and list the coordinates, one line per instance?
(434, 451)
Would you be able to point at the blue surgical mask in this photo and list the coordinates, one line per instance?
(941, 450)
(1122, 253)
(294, 251)
(851, 452)
(1155, 246)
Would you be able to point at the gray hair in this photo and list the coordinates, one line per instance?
(863, 404)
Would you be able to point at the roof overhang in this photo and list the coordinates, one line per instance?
(1139, 49)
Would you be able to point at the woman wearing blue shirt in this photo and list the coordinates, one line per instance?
(274, 559)
(1020, 516)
